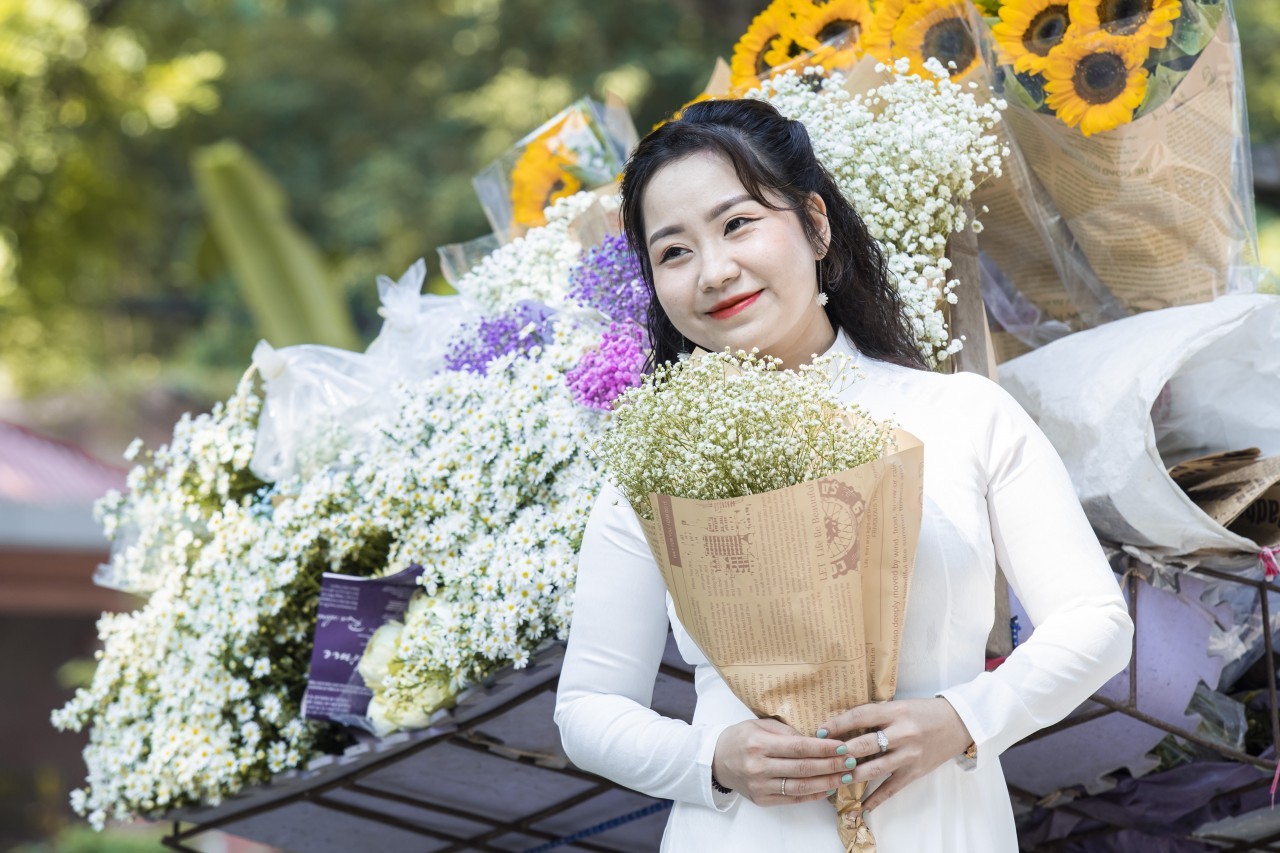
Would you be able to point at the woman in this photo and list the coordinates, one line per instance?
(746, 242)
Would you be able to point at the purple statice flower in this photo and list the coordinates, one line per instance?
(519, 330)
(605, 372)
(609, 279)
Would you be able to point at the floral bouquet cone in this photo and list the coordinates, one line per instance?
(795, 594)
(1131, 119)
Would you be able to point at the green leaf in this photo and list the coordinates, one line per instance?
(281, 274)
(1160, 86)
(1194, 28)
(1017, 93)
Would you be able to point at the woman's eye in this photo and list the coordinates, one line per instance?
(735, 223)
(669, 253)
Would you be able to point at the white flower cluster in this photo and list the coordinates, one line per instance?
(532, 267)
(197, 692)
(481, 479)
(907, 155)
(156, 523)
(727, 425)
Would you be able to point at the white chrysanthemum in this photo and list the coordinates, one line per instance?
(532, 267)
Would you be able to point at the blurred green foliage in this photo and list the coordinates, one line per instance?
(371, 114)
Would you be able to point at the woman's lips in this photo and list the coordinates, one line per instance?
(733, 306)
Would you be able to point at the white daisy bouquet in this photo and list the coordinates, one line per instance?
(476, 472)
(758, 492)
(907, 154)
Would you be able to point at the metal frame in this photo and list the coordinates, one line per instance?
(466, 737)
(1129, 707)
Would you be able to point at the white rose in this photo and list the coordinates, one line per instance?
(379, 654)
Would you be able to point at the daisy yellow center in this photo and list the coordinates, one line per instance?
(1100, 78)
(1123, 17)
(1046, 29)
(839, 28)
(948, 41)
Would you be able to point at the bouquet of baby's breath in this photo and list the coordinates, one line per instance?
(756, 489)
(725, 425)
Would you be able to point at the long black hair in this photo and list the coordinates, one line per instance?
(774, 159)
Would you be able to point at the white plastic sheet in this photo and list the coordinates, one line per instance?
(317, 401)
(1212, 373)
(417, 327)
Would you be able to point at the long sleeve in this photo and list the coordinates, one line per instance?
(1055, 566)
(606, 684)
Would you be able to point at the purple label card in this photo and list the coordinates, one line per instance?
(350, 610)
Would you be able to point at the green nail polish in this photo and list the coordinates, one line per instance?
(829, 793)
(846, 779)
(823, 733)
(841, 749)
(850, 762)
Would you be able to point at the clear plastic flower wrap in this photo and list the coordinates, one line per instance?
(1131, 185)
(417, 326)
(581, 148)
(317, 400)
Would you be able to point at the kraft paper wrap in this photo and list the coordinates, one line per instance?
(797, 596)
(1152, 205)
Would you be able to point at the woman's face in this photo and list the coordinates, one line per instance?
(728, 271)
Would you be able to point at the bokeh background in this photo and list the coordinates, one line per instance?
(364, 120)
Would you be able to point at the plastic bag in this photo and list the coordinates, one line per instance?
(1093, 392)
(417, 327)
(317, 402)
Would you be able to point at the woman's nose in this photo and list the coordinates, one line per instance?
(719, 267)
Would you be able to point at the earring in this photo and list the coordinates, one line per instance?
(821, 298)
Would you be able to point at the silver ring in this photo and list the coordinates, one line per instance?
(784, 786)
(882, 740)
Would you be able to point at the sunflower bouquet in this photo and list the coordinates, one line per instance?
(581, 148)
(1129, 117)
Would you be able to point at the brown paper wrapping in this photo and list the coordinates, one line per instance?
(1238, 490)
(1151, 202)
(797, 596)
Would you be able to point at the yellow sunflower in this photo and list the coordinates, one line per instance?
(878, 39)
(836, 25)
(1028, 30)
(1095, 81)
(752, 54)
(936, 29)
(1149, 22)
(539, 178)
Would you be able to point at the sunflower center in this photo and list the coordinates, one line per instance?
(948, 41)
(1046, 29)
(762, 67)
(1123, 17)
(1100, 78)
(839, 28)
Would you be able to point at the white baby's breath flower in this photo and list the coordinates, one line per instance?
(907, 155)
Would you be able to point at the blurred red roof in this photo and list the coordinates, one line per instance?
(38, 470)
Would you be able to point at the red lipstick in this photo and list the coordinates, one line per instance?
(727, 308)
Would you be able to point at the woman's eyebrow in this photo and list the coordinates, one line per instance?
(712, 214)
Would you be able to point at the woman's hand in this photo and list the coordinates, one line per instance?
(755, 756)
(922, 735)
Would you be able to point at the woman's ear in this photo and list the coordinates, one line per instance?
(822, 228)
